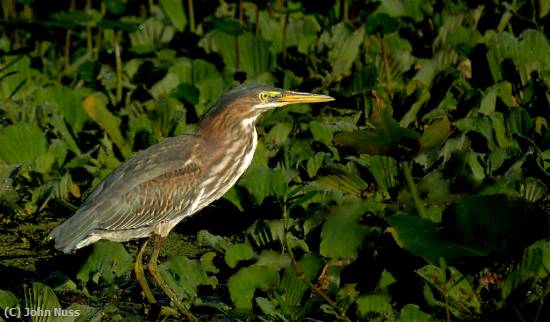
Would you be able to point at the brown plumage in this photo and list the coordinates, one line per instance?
(153, 191)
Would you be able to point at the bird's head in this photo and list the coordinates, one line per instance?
(245, 103)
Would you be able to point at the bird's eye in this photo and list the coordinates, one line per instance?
(263, 96)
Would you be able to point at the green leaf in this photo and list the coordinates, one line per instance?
(342, 234)
(273, 259)
(374, 303)
(96, 108)
(107, 260)
(383, 169)
(294, 288)
(480, 124)
(415, 9)
(501, 134)
(421, 237)
(59, 125)
(321, 132)
(187, 92)
(184, 276)
(228, 25)
(315, 163)
(255, 57)
(217, 242)
(463, 300)
(265, 232)
(529, 53)
(302, 32)
(262, 182)
(518, 121)
(344, 45)
(7, 300)
(279, 134)
(175, 12)
(381, 24)
(534, 267)
(385, 137)
(233, 196)
(67, 102)
(341, 181)
(41, 298)
(115, 6)
(21, 143)
(238, 252)
(221, 43)
(412, 313)
(151, 35)
(435, 134)
(167, 115)
(244, 283)
(386, 279)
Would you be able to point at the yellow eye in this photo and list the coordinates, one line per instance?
(264, 96)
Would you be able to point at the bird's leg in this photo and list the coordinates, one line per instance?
(153, 269)
(140, 276)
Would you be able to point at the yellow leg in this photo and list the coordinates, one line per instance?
(140, 276)
(153, 269)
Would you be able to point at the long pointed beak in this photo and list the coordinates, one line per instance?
(290, 97)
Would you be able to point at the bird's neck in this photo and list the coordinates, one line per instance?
(225, 129)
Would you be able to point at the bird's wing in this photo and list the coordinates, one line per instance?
(156, 185)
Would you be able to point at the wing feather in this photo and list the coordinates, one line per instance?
(156, 185)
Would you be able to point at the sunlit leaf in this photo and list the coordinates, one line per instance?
(315, 163)
(374, 303)
(243, 284)
(175, 11)
(402, 8)
(21, 143)
(344, 46)
(273, 259)
(528, 53)
(7, 299)
(96, 107)
(214, 241)
(41, 298)
(238, 252)
(107, 260)
(342, 234)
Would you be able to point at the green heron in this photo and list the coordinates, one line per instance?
(153, 191)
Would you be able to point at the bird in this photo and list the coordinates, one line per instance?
(153, 191)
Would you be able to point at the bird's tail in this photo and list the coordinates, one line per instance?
(76, 232)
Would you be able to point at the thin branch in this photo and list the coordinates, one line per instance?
(191, 15)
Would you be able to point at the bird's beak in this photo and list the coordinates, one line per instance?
(289, 97)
